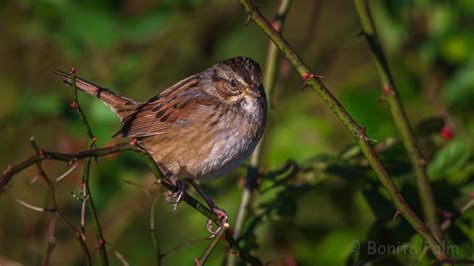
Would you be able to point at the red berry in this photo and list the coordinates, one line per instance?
(73, 105)
(447, 133)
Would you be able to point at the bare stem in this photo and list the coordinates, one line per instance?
(50, 242)
(78, 236)
(402, 123)
(183, 245)
(153, 233)
(356, 131)
(86, 174)
(210, 248)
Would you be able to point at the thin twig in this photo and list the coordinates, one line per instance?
(79, 238)
(390, 94)
(12, 170)
(210, 248)
(68, 172)
(83, 217)
(78, 107)
(85, 177)
(121, 258)
(153, 232)
(50, 242)
(34, 208)
(183, 245)
(346, 119)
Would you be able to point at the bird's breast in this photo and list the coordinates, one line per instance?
(234, 138)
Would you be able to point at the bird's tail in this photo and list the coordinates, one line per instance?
(122, 106)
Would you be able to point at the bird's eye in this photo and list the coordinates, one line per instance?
(233, 83)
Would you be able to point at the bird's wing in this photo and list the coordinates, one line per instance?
(174, 107)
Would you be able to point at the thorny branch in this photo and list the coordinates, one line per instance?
(400, 118)
(351, 125)
(85, 177)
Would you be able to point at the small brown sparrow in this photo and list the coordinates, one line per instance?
(202, 127)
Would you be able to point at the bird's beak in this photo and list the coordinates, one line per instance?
(252, 92)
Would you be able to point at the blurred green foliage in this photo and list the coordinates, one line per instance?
(309, 212)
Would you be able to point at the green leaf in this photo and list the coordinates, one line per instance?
(449, 159)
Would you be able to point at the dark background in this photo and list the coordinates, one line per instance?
(139, 48)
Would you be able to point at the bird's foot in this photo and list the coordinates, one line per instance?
(174, 198)
(223, 217)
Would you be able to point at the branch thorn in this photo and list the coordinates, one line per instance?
(363, 135)
(388, 91)
(6, 171)
(397, 213)
(307, 77)
(276, 25)
(72, 71)
(248, 20)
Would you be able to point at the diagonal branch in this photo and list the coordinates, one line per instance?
(153, 232)
(356, 131)
(209, 249)
(390, 94)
